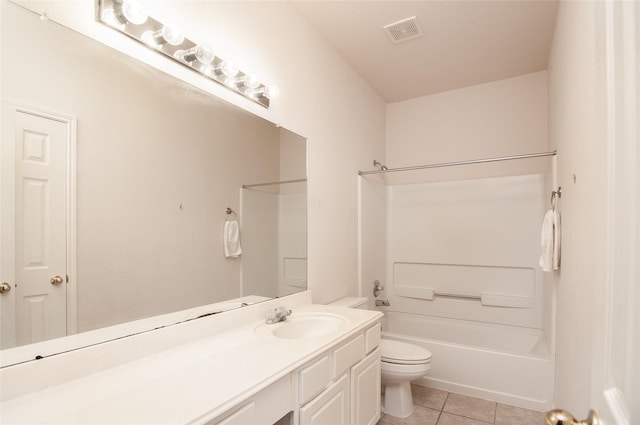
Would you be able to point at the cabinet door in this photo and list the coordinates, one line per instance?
(331, 407)
(313, 379)
(365, 390)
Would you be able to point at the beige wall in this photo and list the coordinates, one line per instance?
(576, 122)
(507, 117)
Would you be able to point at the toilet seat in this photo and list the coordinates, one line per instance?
(397, 352)
(406, 369)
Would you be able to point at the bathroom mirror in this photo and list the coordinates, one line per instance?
(157, 163)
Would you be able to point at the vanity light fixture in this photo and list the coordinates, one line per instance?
(131, 18)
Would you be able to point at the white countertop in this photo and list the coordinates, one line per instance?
(190, 383)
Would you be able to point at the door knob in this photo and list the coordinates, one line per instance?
(377, 287)
(57, 280)
(562, 417)
(4, 287)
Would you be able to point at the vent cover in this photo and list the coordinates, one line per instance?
(404, 30)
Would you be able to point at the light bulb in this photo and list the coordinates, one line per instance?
(208, 70)
(249, 92)
(168, 34)
(271, 92)
(108, 16)
(230, 69)
(130, 11)
(230, 82)
(202, 53)
(251, 81)
(172, 35)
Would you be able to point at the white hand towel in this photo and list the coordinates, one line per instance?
(550, 241)
(232, 247)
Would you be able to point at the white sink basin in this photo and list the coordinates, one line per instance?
(304, 325)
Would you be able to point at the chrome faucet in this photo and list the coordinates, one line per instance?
(279, 314)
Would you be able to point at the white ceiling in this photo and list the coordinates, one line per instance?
(465, 42)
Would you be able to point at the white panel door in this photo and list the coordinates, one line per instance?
(616, 385)
(34, 226)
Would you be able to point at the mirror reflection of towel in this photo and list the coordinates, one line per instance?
(232, 247)
(550, 241)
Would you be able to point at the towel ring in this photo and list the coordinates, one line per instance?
(555, 195)
(229, 211)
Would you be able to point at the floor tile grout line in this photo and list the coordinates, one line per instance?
(466, 417)
(470, 417)
(442, 407)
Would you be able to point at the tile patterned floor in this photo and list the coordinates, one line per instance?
(437, 407)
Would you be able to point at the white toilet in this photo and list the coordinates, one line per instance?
(401, 364)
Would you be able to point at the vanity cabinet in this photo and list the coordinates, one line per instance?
(342, 386)
(212, 376)
(353, 399)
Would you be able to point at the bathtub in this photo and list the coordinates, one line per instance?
(494, 362)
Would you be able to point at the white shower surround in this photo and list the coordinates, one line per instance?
(409, 232)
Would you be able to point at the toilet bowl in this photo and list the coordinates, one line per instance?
(401, 363)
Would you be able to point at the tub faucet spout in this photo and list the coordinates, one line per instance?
(382, 303)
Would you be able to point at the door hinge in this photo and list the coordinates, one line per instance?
(67, 278)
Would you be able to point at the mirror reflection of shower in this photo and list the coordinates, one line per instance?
(274, 215)
(273, 218)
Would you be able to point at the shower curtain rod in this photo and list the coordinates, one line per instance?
(450, 164)
(247, 186)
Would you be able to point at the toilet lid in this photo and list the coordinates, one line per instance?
(403, 353)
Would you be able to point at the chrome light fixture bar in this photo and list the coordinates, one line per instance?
(131, 18)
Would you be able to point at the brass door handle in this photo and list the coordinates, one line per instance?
(4, 287)
(562, 417)
(57, 280)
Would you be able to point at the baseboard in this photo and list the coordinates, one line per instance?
(528, 403)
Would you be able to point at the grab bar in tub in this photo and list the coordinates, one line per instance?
(494, 300)
(448, 295)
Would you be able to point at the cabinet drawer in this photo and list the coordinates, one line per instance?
(246, 415)
(267, 406)
(372, 338)
(313, 379)
(347, 355)
(330, 407)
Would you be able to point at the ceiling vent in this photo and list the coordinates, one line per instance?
(404, 30)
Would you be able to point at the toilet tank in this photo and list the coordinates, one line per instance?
(353, 302)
